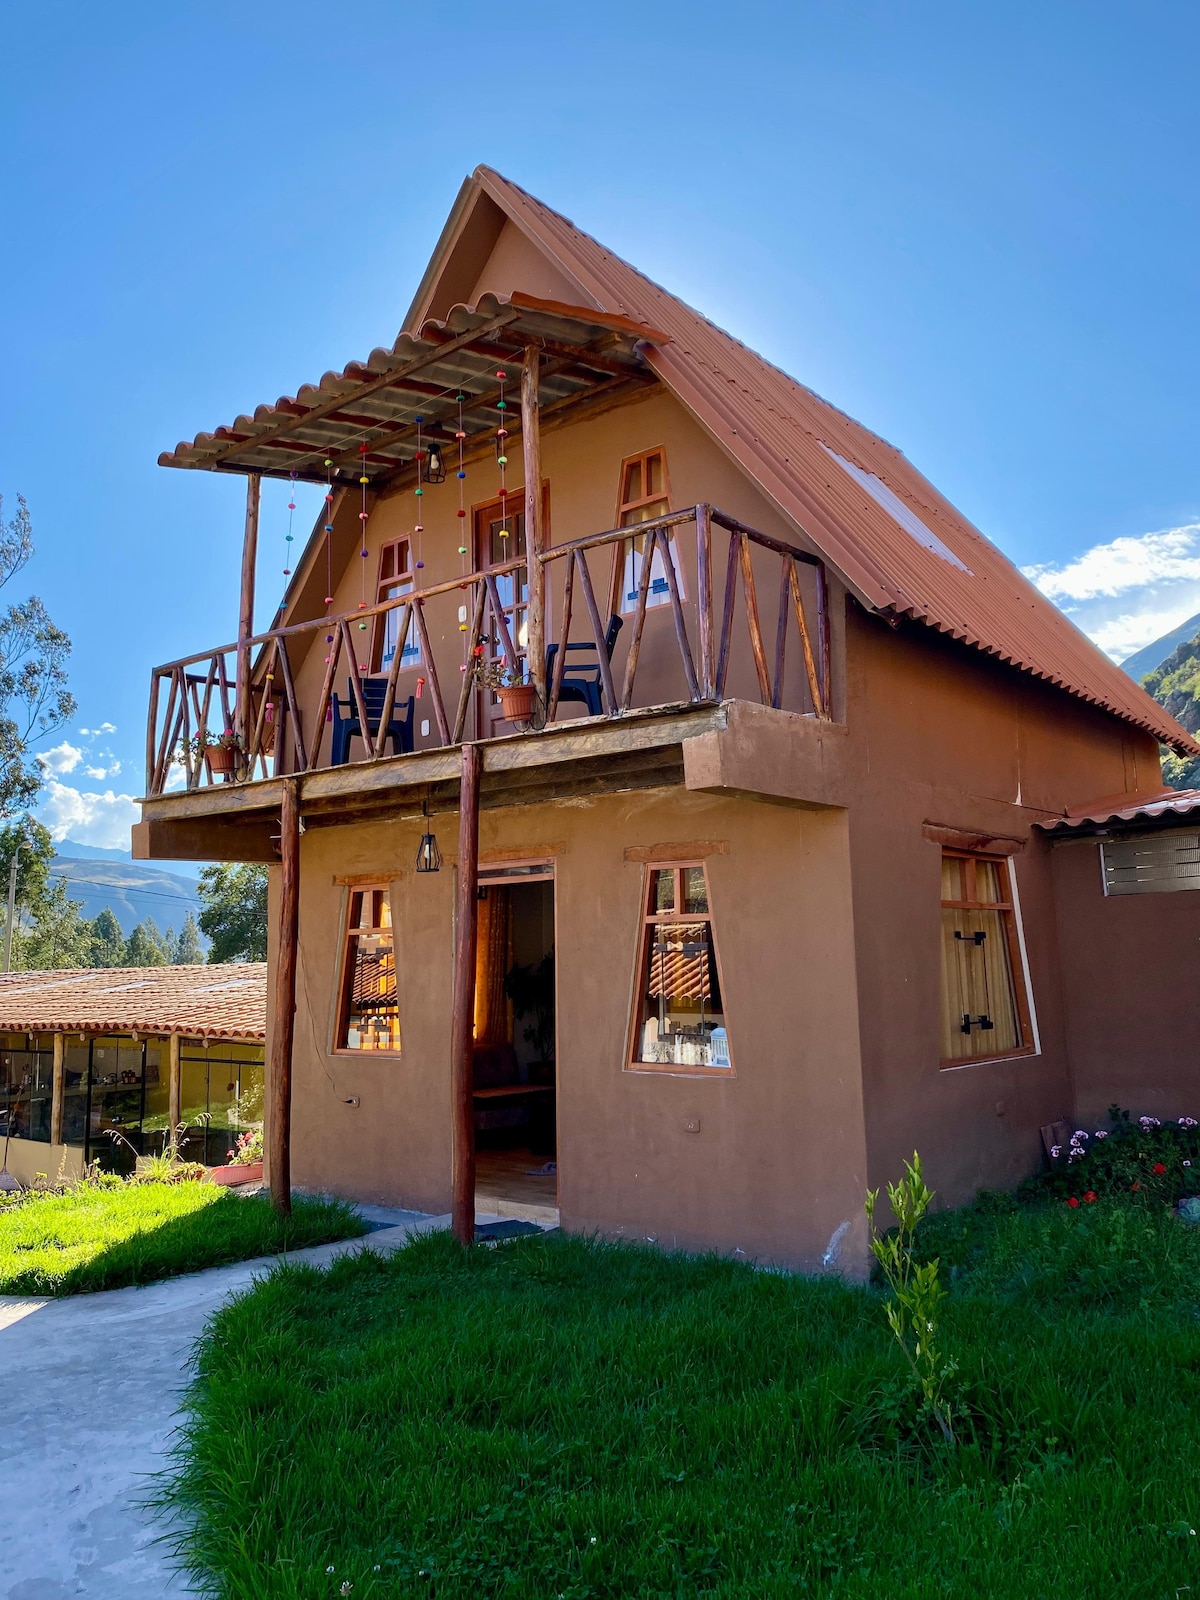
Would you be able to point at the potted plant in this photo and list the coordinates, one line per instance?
(220, 752)
(244, 1163)
(517, 696)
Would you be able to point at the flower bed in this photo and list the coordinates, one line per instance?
(1145, 1157)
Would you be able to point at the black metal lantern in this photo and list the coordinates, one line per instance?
(435, 466)
(429, 857)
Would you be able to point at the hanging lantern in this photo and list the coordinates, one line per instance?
(435, 467)
(429, 857)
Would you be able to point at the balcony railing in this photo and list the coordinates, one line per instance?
(192, 701)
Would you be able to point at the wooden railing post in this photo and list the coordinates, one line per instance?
(704, 598)
(463, 1005)
(246, 608)
(531, 443)
(58, 1086)
(279, 1125)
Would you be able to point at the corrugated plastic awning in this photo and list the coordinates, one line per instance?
(377, 402)
(203, 1002)
(1167, 806)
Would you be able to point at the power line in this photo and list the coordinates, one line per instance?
(156, 894)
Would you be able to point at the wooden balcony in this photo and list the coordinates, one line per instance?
(665, 686)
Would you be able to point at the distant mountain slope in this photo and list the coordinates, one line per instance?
(72, 849)
(132, 890)
(1176, 686)
(1153, 655)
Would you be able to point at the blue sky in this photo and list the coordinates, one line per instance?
(975, 228)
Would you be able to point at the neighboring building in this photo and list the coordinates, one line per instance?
(761, 904)
(98, 1065)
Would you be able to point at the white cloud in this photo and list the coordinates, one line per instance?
(94, 733)
(1129, 591)
(99, 819)
(100, 773)
(62, 758)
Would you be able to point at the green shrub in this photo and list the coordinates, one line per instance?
(1157, 1161)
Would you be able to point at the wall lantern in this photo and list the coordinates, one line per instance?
(429, 857)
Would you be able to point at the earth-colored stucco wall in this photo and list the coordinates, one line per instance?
(941, 735)
(777, 1162)
(1131, 983)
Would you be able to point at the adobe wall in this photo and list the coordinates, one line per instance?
(777, 1162)
(941, 734)
(1130, 982)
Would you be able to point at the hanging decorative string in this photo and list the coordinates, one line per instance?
(362, 517)
(328, 559)
(460, 437)
(419, 458)
(288, 536)
(502, 454)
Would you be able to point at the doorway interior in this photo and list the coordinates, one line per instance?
(515, 1079)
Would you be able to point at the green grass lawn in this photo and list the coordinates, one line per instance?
(554, 1417)
(104, 1237)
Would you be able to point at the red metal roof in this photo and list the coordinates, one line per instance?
(1168, 803)
(834, 479)
(208, 1002)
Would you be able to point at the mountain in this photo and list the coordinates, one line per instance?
(1153, 655)
(1176, 686)
(133, 890)
(95, 852)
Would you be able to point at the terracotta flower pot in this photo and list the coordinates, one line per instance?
(517, 700)
(238, 1172)
(221, 758)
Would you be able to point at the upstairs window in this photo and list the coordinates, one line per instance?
(645, 494)
(368, 1017)
(985, 1010)
(395, 581)
(679, 1021)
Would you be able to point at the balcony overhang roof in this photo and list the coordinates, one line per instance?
(377, 402)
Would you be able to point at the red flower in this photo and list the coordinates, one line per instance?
(1072, 1201)
(1091, 1197)
(1158, 1169)
(1137, 1186)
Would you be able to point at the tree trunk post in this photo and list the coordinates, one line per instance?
(463, 1017)
(279, 1154)
(58, 1088)
(174, 1088)
(531, 444)
(246, 611)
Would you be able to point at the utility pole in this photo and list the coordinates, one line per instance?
(12, 908)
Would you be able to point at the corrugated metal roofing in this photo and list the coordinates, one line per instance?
(209, 1002)
(1170, 803)
(786, 438)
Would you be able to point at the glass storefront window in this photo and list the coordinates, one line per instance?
(26, 1086)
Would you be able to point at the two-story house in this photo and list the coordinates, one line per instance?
(747, 901)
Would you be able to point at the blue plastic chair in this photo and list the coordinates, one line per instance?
(346, 721)
(581, 682)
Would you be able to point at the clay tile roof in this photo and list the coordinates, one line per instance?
(1162, 807)
(211, 1002)
(900, 546)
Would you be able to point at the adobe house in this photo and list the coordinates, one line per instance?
(98, 1064)
(750, 899)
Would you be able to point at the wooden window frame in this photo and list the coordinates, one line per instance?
(618, 604)
(649, 918)
(1019, 978)
(381, 621)
(341, 994)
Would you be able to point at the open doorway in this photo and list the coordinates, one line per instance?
(516, 1135)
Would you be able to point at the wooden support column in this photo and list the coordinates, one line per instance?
(58, 1086)
(174, 1088)
(462, 1035)
(531, 443)
(279, 1109)
(246, 609)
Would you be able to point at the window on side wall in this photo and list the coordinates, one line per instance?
(985, 1008)
(368, 1018)
(679, 1020)
(395, 581)
(645, 494)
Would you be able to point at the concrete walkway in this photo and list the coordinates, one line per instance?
(89, 1396)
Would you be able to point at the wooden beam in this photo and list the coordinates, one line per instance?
(58, 1089)
(531, 444)
(462, 1029)
(246, 609)
(174, 1088)
(279, 1125)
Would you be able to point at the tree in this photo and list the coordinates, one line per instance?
(234, 912)
(146, 947)
(186, 951)
(34, 699)
(56, 935)
(108, 942)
